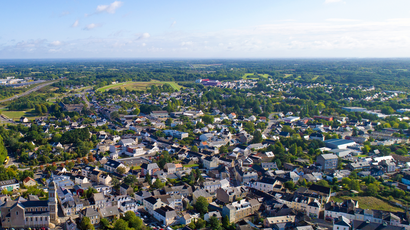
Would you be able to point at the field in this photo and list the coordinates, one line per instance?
(368, 202)
(140, 85)
(191, 166)
(15, 115)
(252, 76)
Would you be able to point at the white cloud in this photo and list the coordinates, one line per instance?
(341, 20)
(173, 23)
(143, 44)
(75, 24)
(109, 8)
(334, 1)
(143, 36)
(55, 43)
(91, 26)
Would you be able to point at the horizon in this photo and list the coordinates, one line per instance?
(205, 30)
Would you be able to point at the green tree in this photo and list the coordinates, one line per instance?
(121, 170)
(289, 185)
(104, 224)
(121, 225)
(158, 184)
(136, 111)
(214, 223)
(194, 148)
(257, 137)
(200, 223)
(208, 119)
(86, 224)
(201, 205)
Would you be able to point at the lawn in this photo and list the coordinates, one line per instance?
(15, 115)
(287, 75)
(191, 166)
(362, 155)
(248, 76)
(140, 85)
(314, 78)
(264, 75)
(368, 202)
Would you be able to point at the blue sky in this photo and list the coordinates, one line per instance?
(204, 29)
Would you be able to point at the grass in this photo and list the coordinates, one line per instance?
(287, 75)
(191, 166)
(248, 76)
(314, 78)
(15, 115)
(363, 155)
(140, 85)
(368, 202)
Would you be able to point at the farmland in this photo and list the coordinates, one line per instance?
(132, 85)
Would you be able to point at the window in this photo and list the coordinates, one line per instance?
(41, 218)
(36, 219)
(45, 218)
(17, 213)
(31, 219)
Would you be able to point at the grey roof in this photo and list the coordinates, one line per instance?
(329, 156)
(89, 212)
(109, 211)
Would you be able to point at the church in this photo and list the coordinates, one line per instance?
(31, 213)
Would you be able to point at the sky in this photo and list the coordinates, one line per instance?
(204, 29)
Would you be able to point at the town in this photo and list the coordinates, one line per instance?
(259, 152)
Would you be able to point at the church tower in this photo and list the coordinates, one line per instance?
(52, 202)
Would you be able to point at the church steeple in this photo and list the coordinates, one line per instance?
(52, 202)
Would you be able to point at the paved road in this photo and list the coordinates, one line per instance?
(28, 91)
(270, 123)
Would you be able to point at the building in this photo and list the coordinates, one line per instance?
(149, 168)
(9, 185)
(159, 114)
(354, 109)
(327, 161)
(29, 182)
(152, 203)
(290, 119)
(238, 210)
(165, 215)
(280, 222)
(112, 165)
(31, 213)
(339, 143)
(210, 162)
(176, 134)
(92, 214)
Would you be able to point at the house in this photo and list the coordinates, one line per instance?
(166, 215)
(230, 194)
(104, 179)
(112, 165)
(170, 167)
(24, 119)
(342, 223)
(152, 203)
(92, 214)
(327, 161)
(266, 184)
(109, 213)
(339, 143)
(215, 214)
(126, 189)
(210, 162)
(201, 192)
(80, 180)
(149, 168)
(29, 182)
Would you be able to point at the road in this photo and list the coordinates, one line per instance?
(270, 123)
(28, 91)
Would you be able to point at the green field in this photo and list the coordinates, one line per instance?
(191, 166)
(315, 77)
(139, 85)
(252, 76)
(368, 202)
(287, 75)
(15, 115)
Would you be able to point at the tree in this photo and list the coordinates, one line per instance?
(133, 221)
(372, 189)
(136, 111)
(208, 119)
(257, 137)
(289, 185)
(104, 224)
(130, 180)
(148, 178)
(158, 184)
(194, 148)
(86, 224)
(214, 223)
(201, 205)
(200, 223)
(223, 149)
(120, 225)
(121, 170)
(321, 106)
